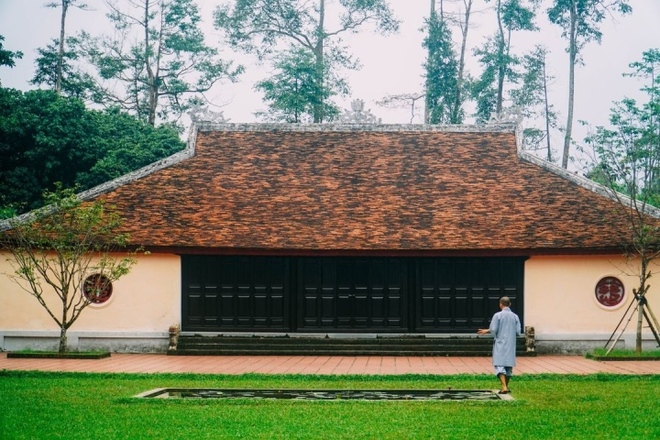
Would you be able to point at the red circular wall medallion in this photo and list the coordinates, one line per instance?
(609, 291)
(97, 288)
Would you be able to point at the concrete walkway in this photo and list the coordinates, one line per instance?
(161, 363)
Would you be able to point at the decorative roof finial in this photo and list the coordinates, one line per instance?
(199, 113)
(511, 114)
(357, 115)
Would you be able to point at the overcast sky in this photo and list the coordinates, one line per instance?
(391, 65)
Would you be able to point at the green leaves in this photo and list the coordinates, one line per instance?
(157, 58)
(258, 26)
(292, 93)
(628, 152)
(45, 138)
(74, 82)
(7, 57)
(442, 103)
(500, 64)
(580, 19)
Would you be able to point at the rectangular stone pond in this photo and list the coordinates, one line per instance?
(215, 393)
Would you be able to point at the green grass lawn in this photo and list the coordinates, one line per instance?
(100, 406)
(601, 353)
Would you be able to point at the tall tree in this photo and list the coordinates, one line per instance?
(441, 71)
(580, 21)
(159, 59)
(59, 71)
(65, 250)
(292, 91)
(627, 157)
(531, 98)
(64, 6)
(496, 57)
(257, 26)
(464, 24)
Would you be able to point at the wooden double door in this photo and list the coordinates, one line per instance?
(346, 294)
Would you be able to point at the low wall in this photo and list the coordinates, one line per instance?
(120, 342)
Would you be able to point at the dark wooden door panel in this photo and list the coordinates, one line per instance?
(462, 294)
(348, 294)
(334, 294)
(222, 293)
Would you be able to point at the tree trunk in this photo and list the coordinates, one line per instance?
(319, 115)
(60, 56)
(641, 299)
(571, 86)
(62, 347)
(465, 26)
(151, 78)
(427, 110)
(501, 65)
(547, 110)
(640, 316)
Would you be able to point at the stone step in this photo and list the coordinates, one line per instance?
(322, 352)
(285, 340)
(338, 346)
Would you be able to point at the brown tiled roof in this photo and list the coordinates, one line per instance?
(392, 188)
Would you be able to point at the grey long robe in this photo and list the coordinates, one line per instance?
(505, 327)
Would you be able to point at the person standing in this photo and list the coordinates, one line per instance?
(505, 327)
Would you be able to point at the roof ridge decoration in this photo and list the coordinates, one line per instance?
(357, 115)
(504, 127)
(587, 183)
(199, 113)
(510, 114)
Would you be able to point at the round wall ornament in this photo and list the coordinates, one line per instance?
(97, 288)
(609, 291)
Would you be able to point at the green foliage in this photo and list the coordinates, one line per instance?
(73, 82)
(159, 58)
(292, 93)
(45, 138)
(126, 144)
(258, 26)
(498, 62)
(55, 248)
(628, 153)
(580, 21)
(7, 57)
(441, 68)
(56, 405)
(483, 89)
(532, 100)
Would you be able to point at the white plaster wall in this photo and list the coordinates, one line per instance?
(559, 303)
(143, 306)
(560, 299)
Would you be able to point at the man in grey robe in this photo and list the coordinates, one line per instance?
(505, 327)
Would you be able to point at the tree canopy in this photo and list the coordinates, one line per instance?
(292, 92)
(46, 138)
(580, 23)
(157, 64)
(7, 57)
(442, 84)
(258, 26)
